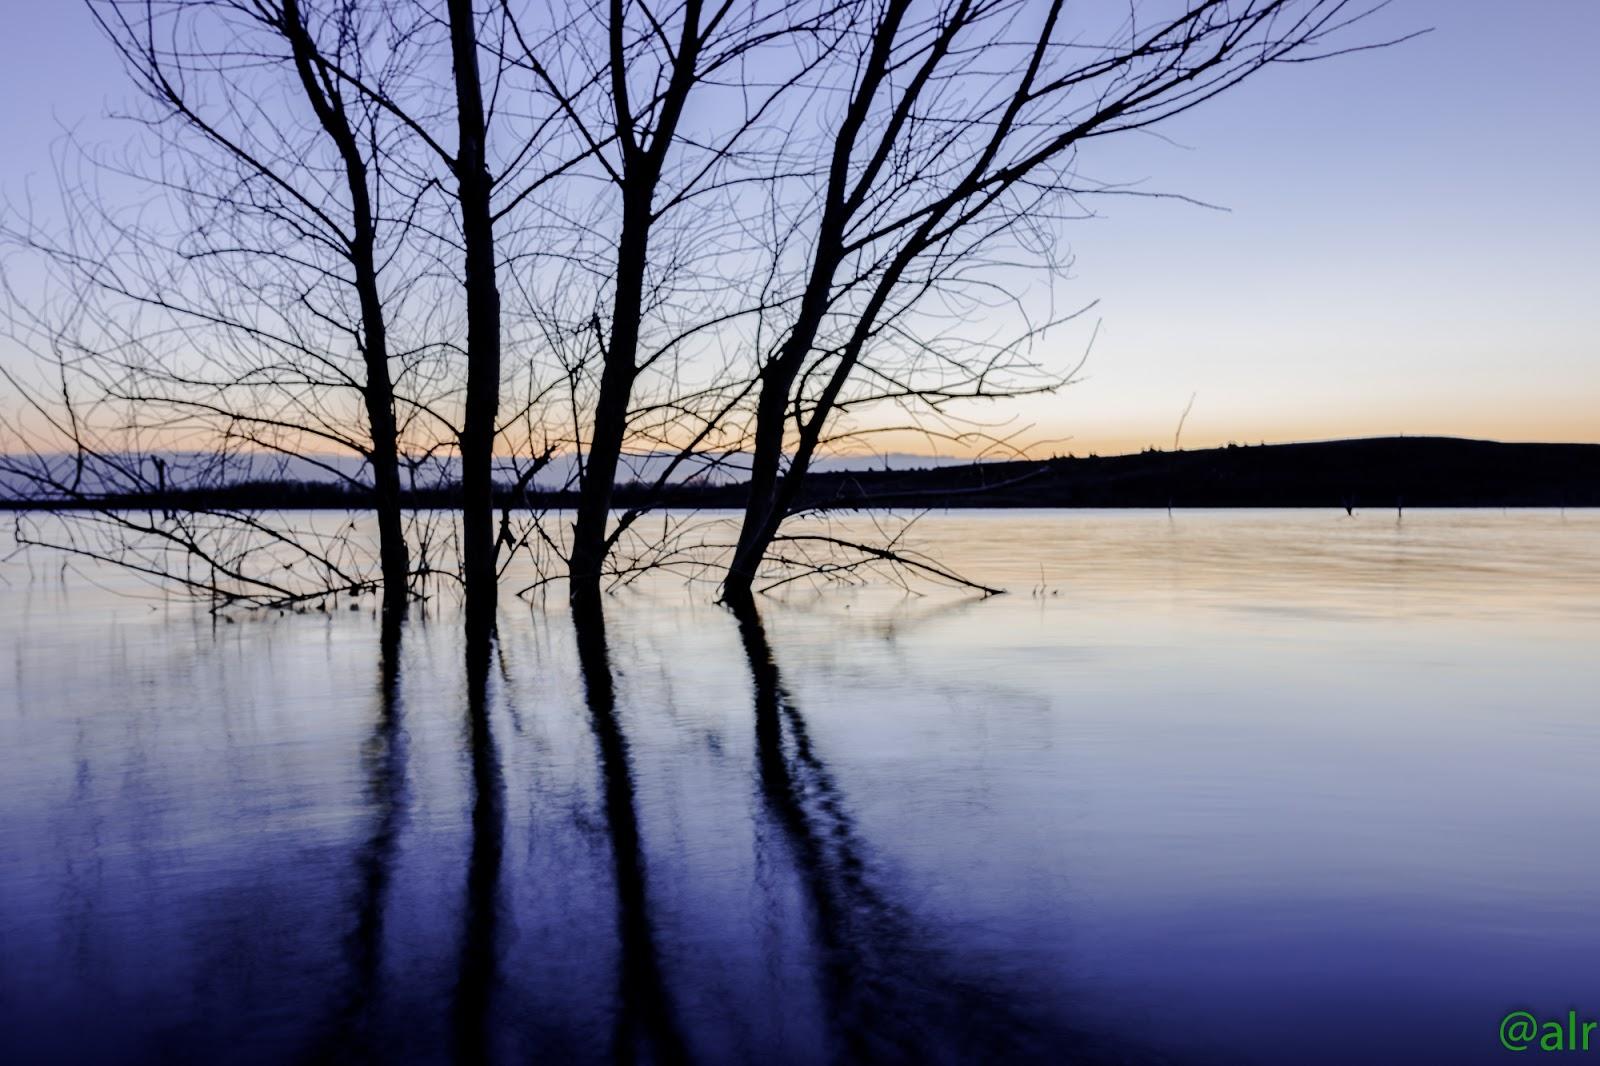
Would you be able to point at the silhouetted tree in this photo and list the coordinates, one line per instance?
(254, 290)
(956, 127)
(474, 193)
(668, 268)
(305, 205)
(669, 239)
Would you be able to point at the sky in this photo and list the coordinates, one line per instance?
(1411, 243)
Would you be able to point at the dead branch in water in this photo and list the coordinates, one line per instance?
(874, 552)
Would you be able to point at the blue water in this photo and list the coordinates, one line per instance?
(1216, 787)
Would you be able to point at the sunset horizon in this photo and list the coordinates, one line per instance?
(799, 532)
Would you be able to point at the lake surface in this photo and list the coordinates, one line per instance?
(1215, 787)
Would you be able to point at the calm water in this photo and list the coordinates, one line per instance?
(1219, 787)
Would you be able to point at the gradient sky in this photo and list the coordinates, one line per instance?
(1410, 246)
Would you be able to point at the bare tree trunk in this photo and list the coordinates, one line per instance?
(474, 189)
(774, 495)
(642, 162)
(378, 391)
(760, 517)
(779, 490)
(588, 553)
(763, 508)
(393, 554)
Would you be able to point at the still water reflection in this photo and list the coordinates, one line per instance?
(1233, 787)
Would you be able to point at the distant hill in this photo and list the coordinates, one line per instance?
(1378, 472)
(1370, 472)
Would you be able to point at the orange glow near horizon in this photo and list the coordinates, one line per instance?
(1035, 444)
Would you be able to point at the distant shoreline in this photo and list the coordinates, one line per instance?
(1365, 473)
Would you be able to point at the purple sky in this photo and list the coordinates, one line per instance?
(1411, 245)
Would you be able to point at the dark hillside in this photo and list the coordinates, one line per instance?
(1378, 472)
(1374, 472)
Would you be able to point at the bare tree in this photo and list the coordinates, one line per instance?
(254, 286)
(306, 205)
(642, 146)
(957, 128)
(664, 264)
(326, 96)
(669, 240)
(498, 169)
(474, 193)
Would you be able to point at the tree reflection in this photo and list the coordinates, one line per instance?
(349, 1034)
(646, 1025)
(477, 972)
(889, 994)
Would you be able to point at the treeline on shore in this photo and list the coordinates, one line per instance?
(1384, 472)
